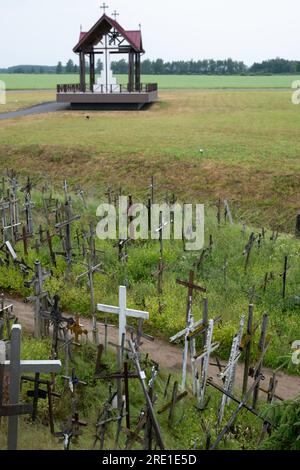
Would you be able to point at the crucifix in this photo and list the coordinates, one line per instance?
(126, 376)
(123, 312)
(90, 274)
(15, 367)
(40, 298)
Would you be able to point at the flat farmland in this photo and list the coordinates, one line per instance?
(49, 81)
(250, 142)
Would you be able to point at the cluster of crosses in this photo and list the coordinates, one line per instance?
(48, 319)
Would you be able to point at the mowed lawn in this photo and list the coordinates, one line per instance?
(48, 81)
(250, 142)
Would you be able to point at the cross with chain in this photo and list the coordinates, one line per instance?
(115, 15)
(104, 7)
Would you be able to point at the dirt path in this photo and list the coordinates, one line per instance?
(167, 355)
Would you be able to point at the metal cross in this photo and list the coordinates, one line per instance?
(104, 7)
(115, 15)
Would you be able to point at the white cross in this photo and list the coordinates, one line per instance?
(15, 367)
(123, 312)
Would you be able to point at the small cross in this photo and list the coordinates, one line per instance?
(104, 7)
(191, 287)
(115, 15)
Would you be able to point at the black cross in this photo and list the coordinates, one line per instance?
(115, 15)
(104, 7)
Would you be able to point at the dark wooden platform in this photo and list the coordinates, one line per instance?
(92, 101)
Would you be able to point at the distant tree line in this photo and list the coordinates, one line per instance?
(180, 67)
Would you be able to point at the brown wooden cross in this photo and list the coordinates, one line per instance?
(191, 287)
(77, 329)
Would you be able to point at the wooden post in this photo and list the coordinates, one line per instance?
(82, 72)
(131, 72)
(174, 400)
(298, 226)
(284, 276)
(92, 71)
(137, 72)
(248, 348)
(262, 345)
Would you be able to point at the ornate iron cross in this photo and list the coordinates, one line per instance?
(104, 7)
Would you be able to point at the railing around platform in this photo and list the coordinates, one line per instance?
(77, 88)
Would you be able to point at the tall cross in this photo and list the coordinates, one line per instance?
(123, 312)
(15, 367)
(191, 287)
(115, 15)
(104, 7)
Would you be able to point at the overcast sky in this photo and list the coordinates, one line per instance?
(42, 32)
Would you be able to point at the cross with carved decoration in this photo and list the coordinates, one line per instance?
(191, 287)
(104, 7)
(115, 15)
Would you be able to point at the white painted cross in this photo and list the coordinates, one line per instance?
(123, 312)
(15, 368)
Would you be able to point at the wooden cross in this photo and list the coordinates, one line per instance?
(90, 274)
(67, 223)
(104, 7)
(41, 394)
(115, 15)
(57, 321)
(123, 312)
(28, 206)
(204, 360)
(24, 238)
(15, 367)
(159, 274)
(191, 287)
(151, 414)
(40, 298)
(228, 374)
(6, 313)
(77, 329)
(176, 398)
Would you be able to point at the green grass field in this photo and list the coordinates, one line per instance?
(250, 141)
(38, 82)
